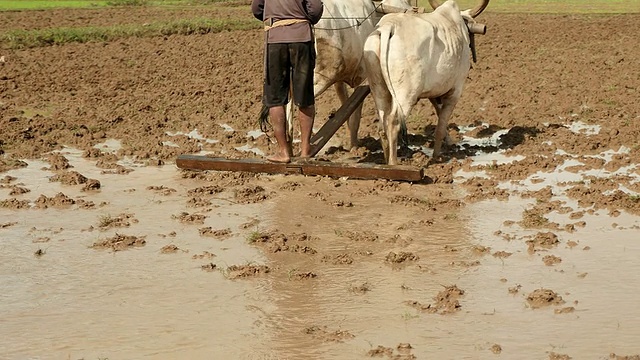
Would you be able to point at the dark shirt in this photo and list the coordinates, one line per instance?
(288, 9)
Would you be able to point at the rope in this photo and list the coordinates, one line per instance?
(284, 22)
(358, 23)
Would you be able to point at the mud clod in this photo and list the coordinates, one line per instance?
(161, 190)
(446, 302)
(614, 356)
(402, 352)
(245, 271)
(60, 200)
(121, 220)
(303, 275)
(542, 240)
(185, 217)
(325, 335)
(204, 255)
(401, 257)
(251, 194)
(544, 297)
(502, 254)
(169, 249)
(209, 267)
(274, 242)
(218, 234)
(551, 260)
(18, 190)
(120, 242)
(556, 356)
(338, 259)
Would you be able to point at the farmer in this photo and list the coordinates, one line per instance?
(289, 59)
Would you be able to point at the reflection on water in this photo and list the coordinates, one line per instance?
(605, 318)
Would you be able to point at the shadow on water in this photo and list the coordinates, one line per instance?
(487, 139)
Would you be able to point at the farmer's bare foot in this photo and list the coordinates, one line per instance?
(279, 158)
(305, 153)
(302, 159)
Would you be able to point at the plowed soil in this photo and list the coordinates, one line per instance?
(535, 74)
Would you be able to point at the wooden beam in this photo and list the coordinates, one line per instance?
(321, 168)
(199, 162)
(320, 139)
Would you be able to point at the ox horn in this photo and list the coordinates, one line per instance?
(434, 4)
(478, 9)
(473, 12)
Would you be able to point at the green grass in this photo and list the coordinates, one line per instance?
(41, 4)
(253, 237)
(18, 39)
(56, 4)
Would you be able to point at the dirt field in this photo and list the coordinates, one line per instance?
(521, 243)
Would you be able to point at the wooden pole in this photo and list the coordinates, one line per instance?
(321, 138)
(318, 168)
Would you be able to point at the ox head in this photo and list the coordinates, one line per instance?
(469, 16)
(394, 6)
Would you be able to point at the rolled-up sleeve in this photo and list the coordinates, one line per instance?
(314, 10)
(257, 8)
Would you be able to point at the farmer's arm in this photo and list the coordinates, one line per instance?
(313, 9)
(257, 8)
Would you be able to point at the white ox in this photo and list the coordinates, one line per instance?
(339, 39)
(411, 57)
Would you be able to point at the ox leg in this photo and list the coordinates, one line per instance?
(444, 109)
(382, 133)
(393, 129)
(354, 121)
(396, 119)
(382, 99)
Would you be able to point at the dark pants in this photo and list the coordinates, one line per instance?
(289, 63)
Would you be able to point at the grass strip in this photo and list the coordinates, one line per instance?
(20, 39)
(16, 5)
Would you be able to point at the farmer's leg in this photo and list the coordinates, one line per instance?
(276, 89)
(306, 117)
(303, 61)
(278, 120)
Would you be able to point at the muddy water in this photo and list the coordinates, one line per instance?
(77, 302)
(598, 277)
(599, 282)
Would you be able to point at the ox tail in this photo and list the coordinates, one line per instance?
(386, 32)
(263, 119)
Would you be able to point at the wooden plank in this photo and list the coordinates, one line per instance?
(198, 162)
(363, 171)
(321, 168)
(321, 138)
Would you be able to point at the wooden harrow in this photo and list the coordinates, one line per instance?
(310, 167)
